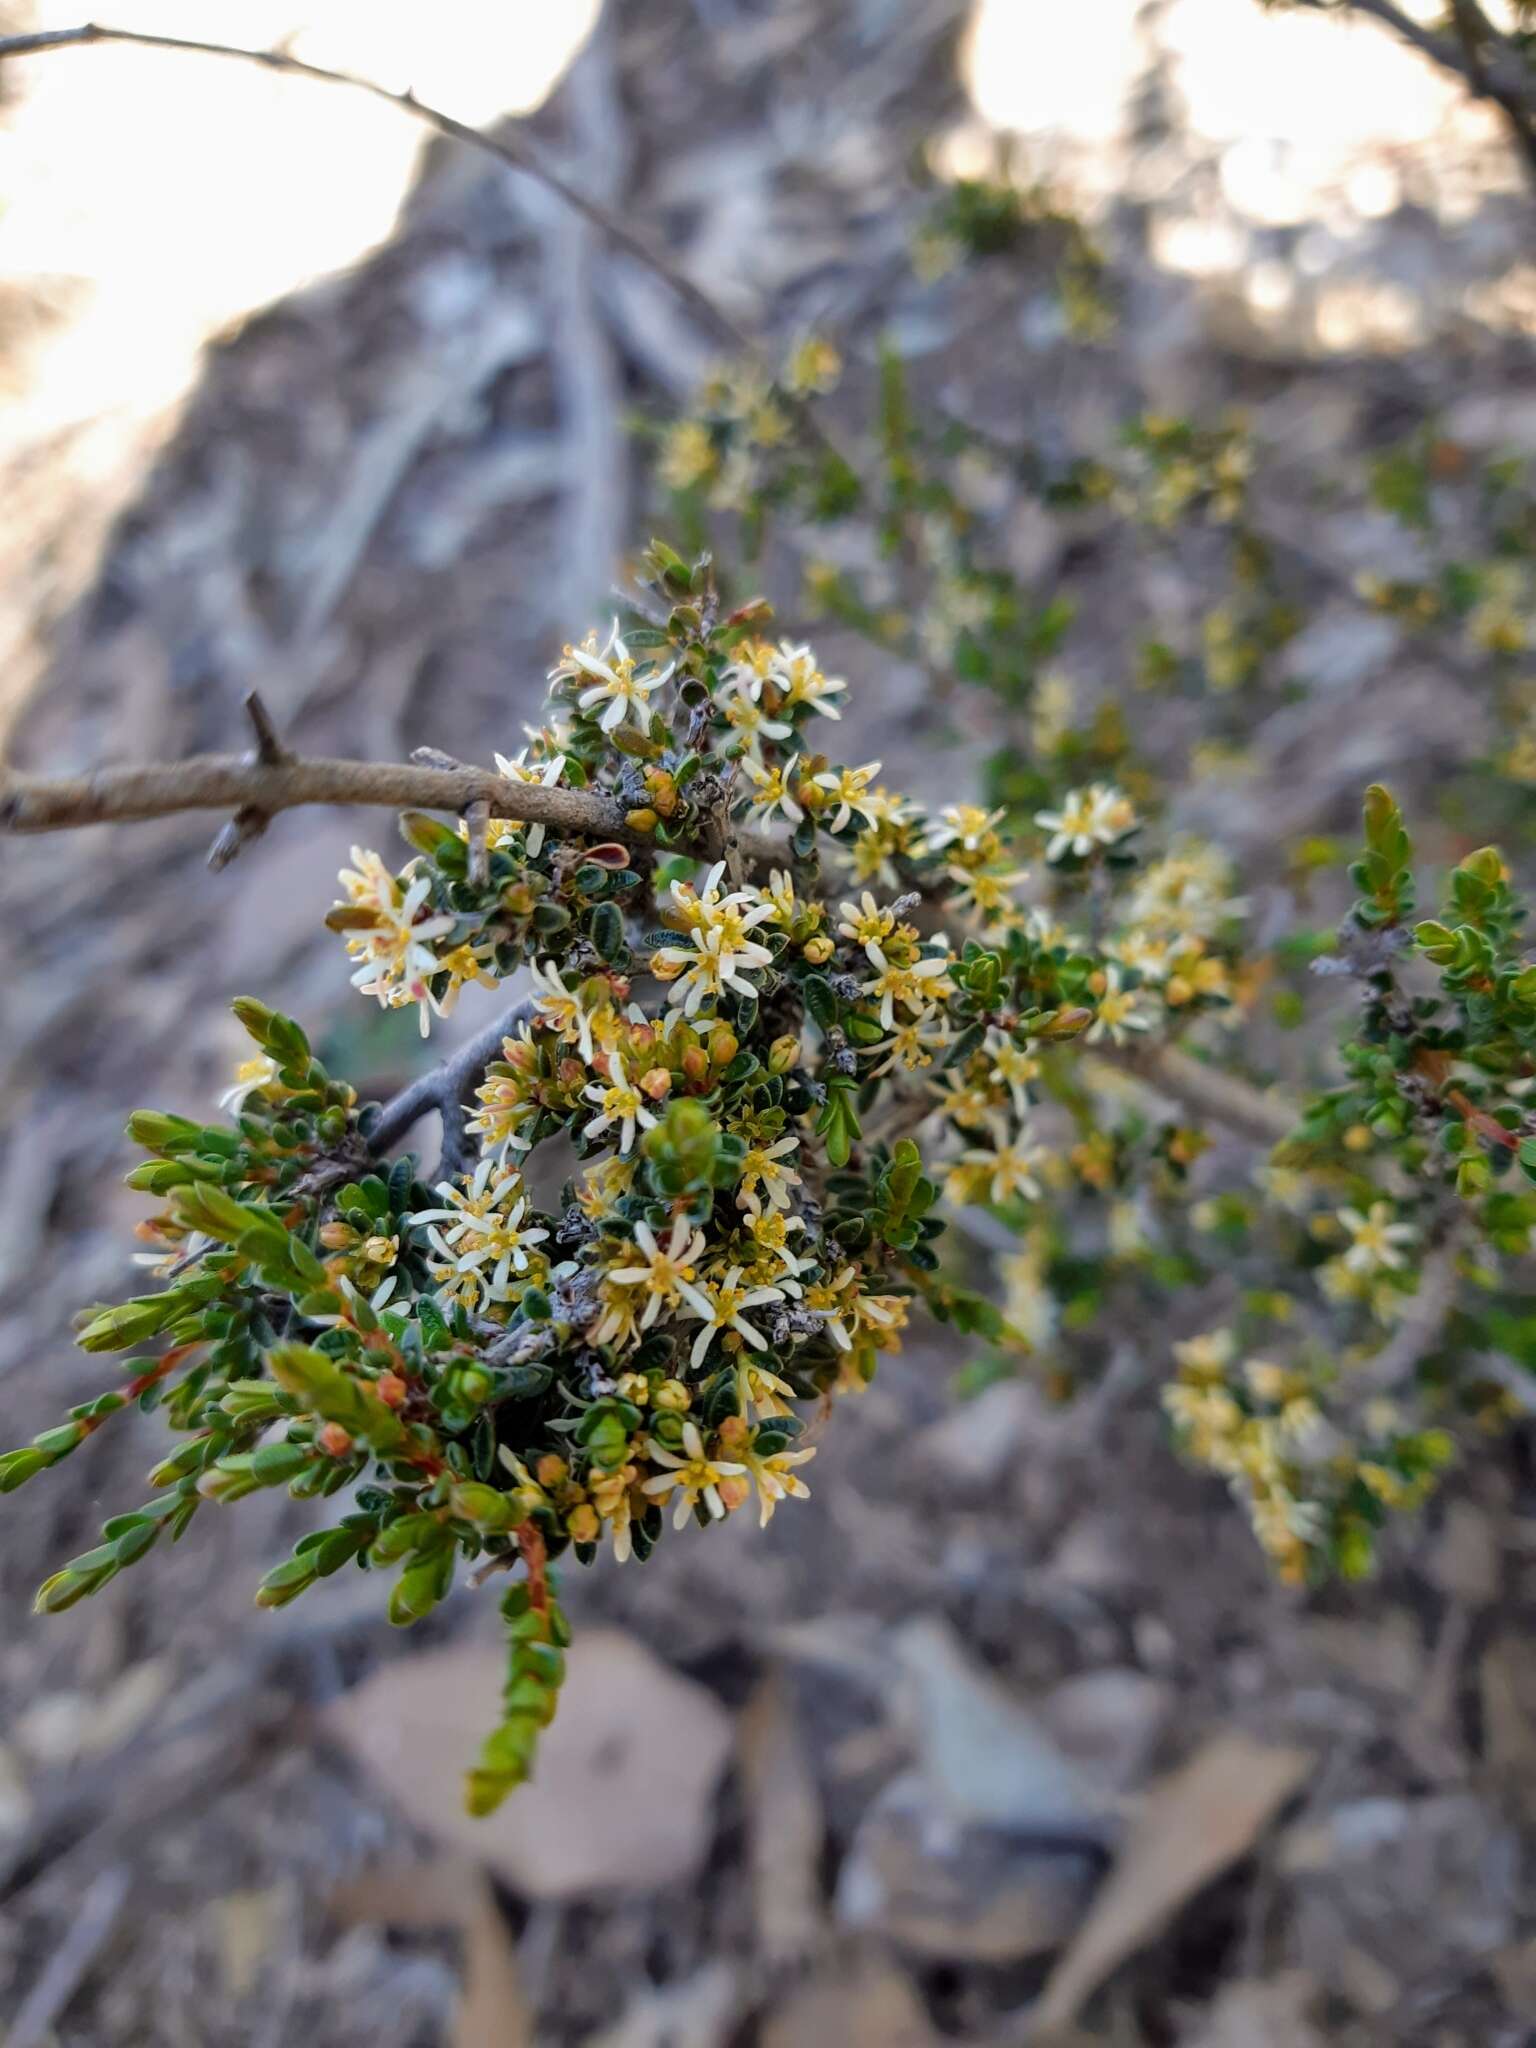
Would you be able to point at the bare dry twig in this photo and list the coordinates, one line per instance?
(444, 1089)
(256, 787)
(1253, 1112)
(1423, 1324)
(217, 782)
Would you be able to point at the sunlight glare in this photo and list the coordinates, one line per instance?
(150, 199)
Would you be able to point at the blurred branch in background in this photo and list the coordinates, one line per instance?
(1493, 64)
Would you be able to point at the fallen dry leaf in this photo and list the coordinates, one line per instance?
(785, 1827)
(1194, 1823)
(871, 2005)
(247, 1925)
(492, 2011)
(621, 1796)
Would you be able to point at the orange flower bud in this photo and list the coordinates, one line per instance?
(333, 1440)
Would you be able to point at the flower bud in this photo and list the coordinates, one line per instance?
(473, 1384)
(1066, 1023)
(663, 791)
(333, 1440)
(391, 1389)
(337, 1236)
(783, 1054)
(734, 1491)
(696, 1063)
(583, 1525)
(485, 1506)
(818, 950)
(656, 1083)
(723, 1045)
(551, 1470)
(672, 1394)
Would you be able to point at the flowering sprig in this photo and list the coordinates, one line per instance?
(778, 1077)
(735, 1054)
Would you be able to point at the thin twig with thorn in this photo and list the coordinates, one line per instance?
(445, 1090)
(1491, 66)
(269, 748)
(218, 782)
(250, 821)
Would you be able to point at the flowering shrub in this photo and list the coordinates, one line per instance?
(735, 1052)
(730, 1043)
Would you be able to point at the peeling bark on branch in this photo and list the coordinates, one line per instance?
(251, 786)
(217, 782)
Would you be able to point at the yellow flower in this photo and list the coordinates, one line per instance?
(621, 1104)
(692, 1477)
(775, 1479)
(1096, 816)
(252, 1077)
(1008, 1169)
(867, 924)
(1117, 1011)
(722, 1307)
(814, 366)
(848, 789)
(688, 456)
(1377, 1241)
(663, 1271)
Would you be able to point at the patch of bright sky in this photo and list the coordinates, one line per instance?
(151, 198)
